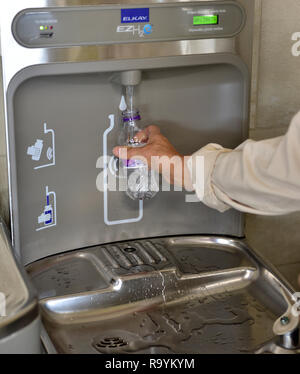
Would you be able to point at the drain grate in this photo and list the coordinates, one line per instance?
(115, 341)
(111, 342)
(129, 249)
(130, 254)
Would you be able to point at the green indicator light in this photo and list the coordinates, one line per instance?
(41, 27)
(206, 20)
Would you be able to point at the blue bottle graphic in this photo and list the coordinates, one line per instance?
(48, 217)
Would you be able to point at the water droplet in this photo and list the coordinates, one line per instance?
(123, 105)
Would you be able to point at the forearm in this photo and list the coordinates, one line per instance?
(258, 177)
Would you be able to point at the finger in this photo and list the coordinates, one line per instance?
(152, 130)
(141, 137)
(121, 152)
(129, 153)
(137, 154)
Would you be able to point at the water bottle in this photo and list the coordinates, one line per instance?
(141, 181)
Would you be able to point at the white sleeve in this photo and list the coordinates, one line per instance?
(257, 177)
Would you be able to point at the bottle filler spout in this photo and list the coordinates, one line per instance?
(130, 79)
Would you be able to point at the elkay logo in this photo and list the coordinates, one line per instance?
(135, 15)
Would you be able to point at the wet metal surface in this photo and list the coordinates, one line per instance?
(171, 295)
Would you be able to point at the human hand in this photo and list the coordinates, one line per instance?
(160, 156)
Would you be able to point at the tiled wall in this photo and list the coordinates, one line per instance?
(278, 99)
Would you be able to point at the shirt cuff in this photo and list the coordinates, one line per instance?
(201, 166)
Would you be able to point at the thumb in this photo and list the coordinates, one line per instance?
(152, 130)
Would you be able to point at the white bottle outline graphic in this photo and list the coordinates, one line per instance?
(48, 217)
(35, 150)
(105, 182)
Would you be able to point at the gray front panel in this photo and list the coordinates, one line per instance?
(66, 116)
(115, 24)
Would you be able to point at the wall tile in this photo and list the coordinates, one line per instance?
(279, 78)
(276, 238)
(291, 273)
(264, 133)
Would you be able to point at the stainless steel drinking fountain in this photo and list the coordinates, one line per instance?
(115, 275)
